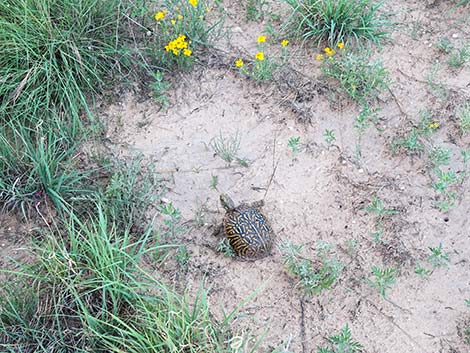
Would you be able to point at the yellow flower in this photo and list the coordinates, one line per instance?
(207, 9)
(319, 57)
(187, 52)
(329, 51)
(179, 17)
(160, 15)
(239, 63)
(284, 43)
(341, 45)
(433, 126)
(193, 2)
(261, 39)
(259, 56)
(173, 22)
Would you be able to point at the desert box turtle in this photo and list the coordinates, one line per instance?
(247, 229)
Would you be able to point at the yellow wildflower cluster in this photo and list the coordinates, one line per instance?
(284, 43)
(261, 39)
(239, 63)
(160, 15)
(329, 51)
(178, 44)
(193, 2)
(433, 126)
(259, 56)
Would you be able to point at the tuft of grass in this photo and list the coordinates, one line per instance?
(53, 52)
(227, 148)
(86, 290)
(338, 20)
(38, 166)
(360, 78)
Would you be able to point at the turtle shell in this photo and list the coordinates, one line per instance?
(248, 232)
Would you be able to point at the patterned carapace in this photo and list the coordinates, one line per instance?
(247, 230)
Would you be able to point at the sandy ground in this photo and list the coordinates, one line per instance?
(318, 194)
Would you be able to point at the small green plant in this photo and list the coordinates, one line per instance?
(445, 179)
(255, 9)
(225, 248)
(159, 87)
(342, 343)
(427, 125)
(465, 156)
(360, 78)
(337, 20)
(329, 136)
(172, 220)
(294, 144)
(438, 257)
(182, 257)
(416, 30)
(366, 117)
(443, 184)
(382, 279)
(422, 272)
(466, 335)
(444, 45)
(439, 156)
(459, 57)
(263, 66)
(226, 147)
(463, 117)
(214, 182)
(313, 279)
(377, 207)
(410, 143)
(436, 87)
(467, 302)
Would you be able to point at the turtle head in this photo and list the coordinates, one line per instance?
(227, 202)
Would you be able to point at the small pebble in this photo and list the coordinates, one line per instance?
(455, 35)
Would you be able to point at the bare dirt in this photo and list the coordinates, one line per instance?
(320, 193)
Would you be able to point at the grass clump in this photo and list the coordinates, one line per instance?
(88, 291)
(38, 166)
(338, 20)
(313, 278)
(53, 52)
